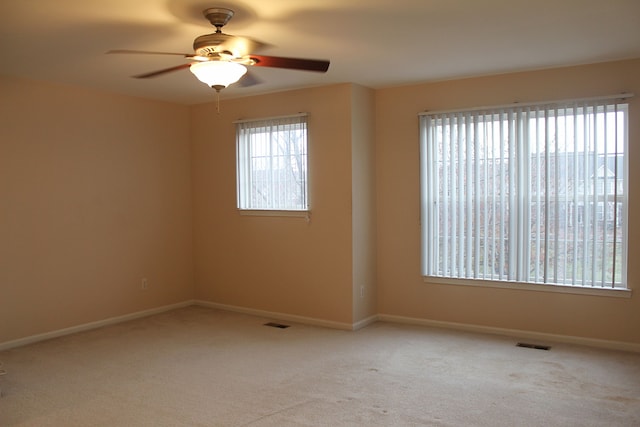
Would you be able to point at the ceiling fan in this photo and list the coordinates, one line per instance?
(221, 59)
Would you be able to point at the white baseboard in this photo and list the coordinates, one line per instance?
(91, 325)
(278, 316)
(516, 333)
(365, 322)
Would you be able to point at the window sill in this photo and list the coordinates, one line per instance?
(254, 212)
(566, 289)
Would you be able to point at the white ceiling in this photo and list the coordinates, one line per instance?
(375, 43)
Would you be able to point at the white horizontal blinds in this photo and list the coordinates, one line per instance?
(272, 163)
(530, 193)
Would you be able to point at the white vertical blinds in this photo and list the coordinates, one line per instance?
(533, 193)
(272, 163)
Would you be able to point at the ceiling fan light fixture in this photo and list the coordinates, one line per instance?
(218, 74)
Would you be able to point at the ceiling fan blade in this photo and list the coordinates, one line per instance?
(163, 71)
(291, 63)
(146, 52)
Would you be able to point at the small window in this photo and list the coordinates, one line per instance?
(272, 164)
(531, 194)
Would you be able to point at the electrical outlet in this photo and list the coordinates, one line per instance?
(144, 284)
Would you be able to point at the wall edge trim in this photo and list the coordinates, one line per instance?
(91, 325)
(515, 333)
(365, 322)
(277, 316)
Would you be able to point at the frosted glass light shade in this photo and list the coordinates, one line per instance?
(218, 74)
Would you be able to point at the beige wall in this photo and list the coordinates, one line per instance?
(277, 264)
(401, 288)
(98, 191)
(94, 195)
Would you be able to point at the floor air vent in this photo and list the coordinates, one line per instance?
(536, 346)
(276, 325)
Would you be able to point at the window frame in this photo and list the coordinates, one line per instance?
(623, 290)
(244, 168)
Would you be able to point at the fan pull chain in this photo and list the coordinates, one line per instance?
(218, 88)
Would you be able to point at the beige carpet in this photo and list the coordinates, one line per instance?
(202, 367)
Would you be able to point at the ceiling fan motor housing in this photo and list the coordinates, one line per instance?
(209, 44)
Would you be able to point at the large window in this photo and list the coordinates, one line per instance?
(272, 164)
(533, 194)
